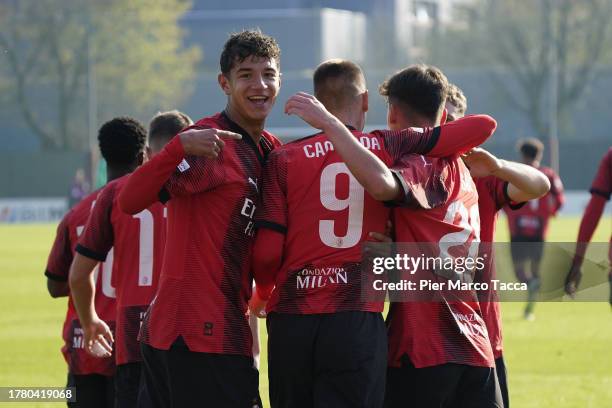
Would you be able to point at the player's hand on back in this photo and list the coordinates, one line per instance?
(481, 163)
(310, 110)
(205, 142)
(379, 244)
(98, 338)
(257, 306)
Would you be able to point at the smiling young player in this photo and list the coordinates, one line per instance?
(197, 344)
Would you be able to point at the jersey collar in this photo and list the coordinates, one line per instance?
(263, 142)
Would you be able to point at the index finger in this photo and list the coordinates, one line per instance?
(304, 94)
(226, 134)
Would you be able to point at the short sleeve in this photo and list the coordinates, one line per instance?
(498, 190)
(60, 257)
(422, 182)
(272, 209)
(602, 184)
(98, 237)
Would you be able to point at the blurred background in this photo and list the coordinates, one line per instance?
(542, 68)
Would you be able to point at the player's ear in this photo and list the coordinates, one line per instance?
(224, 83)
(142, 156)
(365, 101)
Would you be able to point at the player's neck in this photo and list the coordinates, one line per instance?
(417, 123)
(349, 118)
(253, 128)
(115, 172)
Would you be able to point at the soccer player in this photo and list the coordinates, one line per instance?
(529, 224)
(138, 244)
(439, 353)
(196, 341)
(601, 189)
(92, 376)
(327, 345)
(498, 183)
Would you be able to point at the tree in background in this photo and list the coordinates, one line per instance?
(60, 56)
(545, 53)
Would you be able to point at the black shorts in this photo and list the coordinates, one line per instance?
(327, 360)
(92, 391)
(442, 386)
(179, 377)
(526, 249)
(502, 377)
(130, 390)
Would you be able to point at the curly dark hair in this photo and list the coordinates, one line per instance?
(121, 140)
(420, 88)
(245, 44)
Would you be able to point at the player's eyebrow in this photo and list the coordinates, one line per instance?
(244, 69)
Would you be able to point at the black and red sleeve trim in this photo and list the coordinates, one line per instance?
(601, 193)
(54, 277)
(511, 204)
(89, 253)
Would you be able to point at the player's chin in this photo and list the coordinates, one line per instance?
(259, 113)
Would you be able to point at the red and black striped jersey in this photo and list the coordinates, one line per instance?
(492, 197)
(310, 195)
(58, 267)
(450, 328)
(138, 241)
(206, 277)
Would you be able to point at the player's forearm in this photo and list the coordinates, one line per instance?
(144, 184)
(462, 135)
(525, 182)
(267, 259)
(588, 225)
(82, 288)
(366, 167)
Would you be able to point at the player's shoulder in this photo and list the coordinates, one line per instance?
(608, 156)
(271, 139)
(298, 143)
(217, 121)
(301, 144)
(79, 213)
(111, 189)
(548, 171)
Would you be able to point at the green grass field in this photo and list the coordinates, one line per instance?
(563, 359)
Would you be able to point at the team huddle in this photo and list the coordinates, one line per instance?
(204, 227)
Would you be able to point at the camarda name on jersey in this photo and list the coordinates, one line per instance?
(320, 148)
